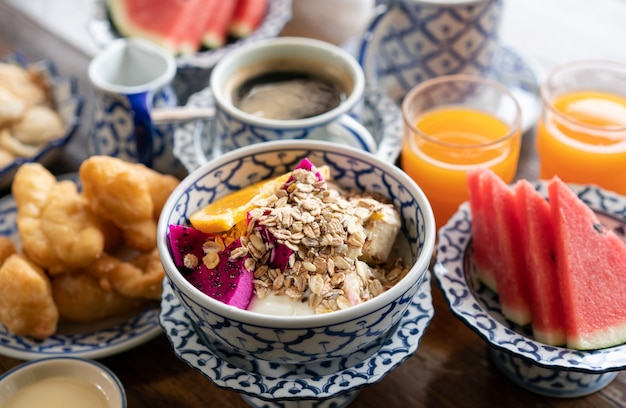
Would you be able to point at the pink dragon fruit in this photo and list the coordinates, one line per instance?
(230, 282)
(186, 240)
(305, 164)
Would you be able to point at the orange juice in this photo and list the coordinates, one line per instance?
(582, 139)
(451, 140)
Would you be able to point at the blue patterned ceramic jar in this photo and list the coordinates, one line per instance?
(131, 76)
(305, 338)
(410, 41)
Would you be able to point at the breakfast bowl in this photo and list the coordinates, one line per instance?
(313, 338)
(555, 371)
(62, 381)
(22, 140)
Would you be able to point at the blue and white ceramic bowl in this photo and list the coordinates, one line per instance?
(68, 104)
(543, 369)
(300, 339)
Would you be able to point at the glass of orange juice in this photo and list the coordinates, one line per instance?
(581, 135)
(452, 124)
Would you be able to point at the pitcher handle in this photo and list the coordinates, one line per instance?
(141, 105)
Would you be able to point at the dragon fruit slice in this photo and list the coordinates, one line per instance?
(230, 282)
(279, 253)
(306, 164)
(186, 240)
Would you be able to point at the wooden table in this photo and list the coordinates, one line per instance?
(452, 367)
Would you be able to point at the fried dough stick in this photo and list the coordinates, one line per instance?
(130, 195)
(30, 188)
(57, 228)
(81, 299)
(141, 277)
(26, 304)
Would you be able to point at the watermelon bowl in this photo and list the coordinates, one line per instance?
(67, 102)
(543, 369)
(299, 357)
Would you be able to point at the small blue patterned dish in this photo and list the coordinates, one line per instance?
(95, 340)
(68, 104)
(277, 386)
(547, 370)
(380, 116)
(312, 338)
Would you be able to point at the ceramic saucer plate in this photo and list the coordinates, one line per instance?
(262, 380)
(547, 370)
(93, 341)
(519, 73)
(381, 116)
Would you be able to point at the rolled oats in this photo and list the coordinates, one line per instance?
(326, 232)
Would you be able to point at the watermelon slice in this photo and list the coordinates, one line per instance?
(484, 238)
(176, 25)
(591, 270)
(538, 243)
(509, 264)
(215, 33)
(246, 18)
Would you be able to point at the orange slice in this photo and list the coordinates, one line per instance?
(224, 213)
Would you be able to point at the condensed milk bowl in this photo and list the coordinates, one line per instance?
(310, 338)
(67, 382)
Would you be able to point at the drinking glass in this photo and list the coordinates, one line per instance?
(581, 134)
(452, 124)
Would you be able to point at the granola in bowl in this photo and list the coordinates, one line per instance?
(309, 240)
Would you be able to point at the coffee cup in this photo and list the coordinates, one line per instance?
(288, 88)
(130, 77)
(410, 41)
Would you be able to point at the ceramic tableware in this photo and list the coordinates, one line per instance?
(280, 89)
(130, 77)
(410, 41)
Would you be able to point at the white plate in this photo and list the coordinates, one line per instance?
(381, 116)
(270, 381)
(96, 340)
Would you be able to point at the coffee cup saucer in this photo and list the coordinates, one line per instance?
(380, 116)
(510, 67)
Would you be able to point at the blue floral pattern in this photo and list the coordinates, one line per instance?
(275, 385)
(478, 307)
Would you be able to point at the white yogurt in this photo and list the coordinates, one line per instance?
(280, 306)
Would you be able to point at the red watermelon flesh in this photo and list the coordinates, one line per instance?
(215, 33)
(537, 238)
(484, 239)
(592, 272)
(157, 22)
(509, 266)
(247, 16)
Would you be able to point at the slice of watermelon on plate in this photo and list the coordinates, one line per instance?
(592, 272)
(537, 239)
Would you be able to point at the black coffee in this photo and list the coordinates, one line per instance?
(287, 95)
